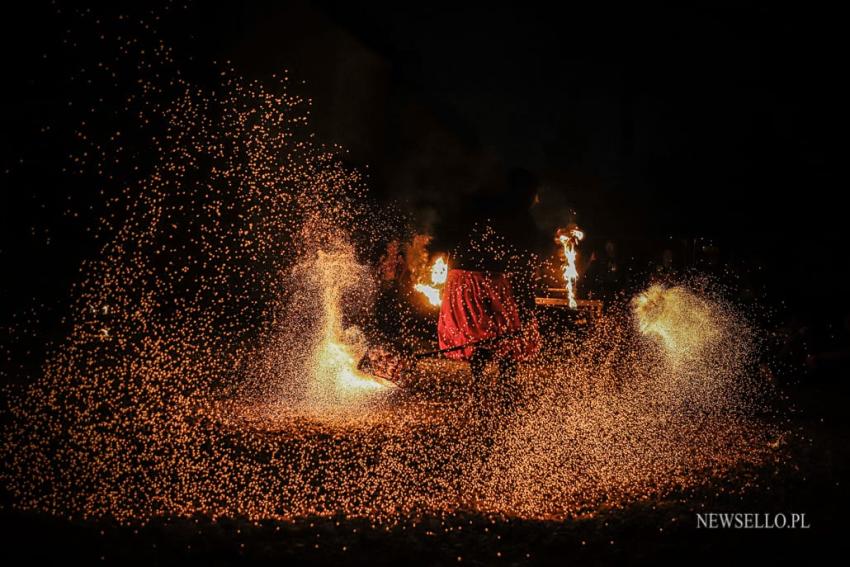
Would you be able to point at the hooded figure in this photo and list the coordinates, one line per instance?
(489, 291)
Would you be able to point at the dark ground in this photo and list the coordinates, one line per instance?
(649, 532)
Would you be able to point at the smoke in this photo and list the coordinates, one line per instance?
(554, 209)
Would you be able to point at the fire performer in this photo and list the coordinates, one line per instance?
(489, 291)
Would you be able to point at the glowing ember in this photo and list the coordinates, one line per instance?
(570, 241)
(432, 291)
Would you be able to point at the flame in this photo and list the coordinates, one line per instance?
(430, 292)
(439, 273)
(569, 241)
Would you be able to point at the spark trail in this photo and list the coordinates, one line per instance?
(210, 363)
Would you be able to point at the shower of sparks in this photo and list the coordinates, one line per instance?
(685, 324)
(333, 364)
(210, 367)
(432, 291)
(569, 242)
(313, 355)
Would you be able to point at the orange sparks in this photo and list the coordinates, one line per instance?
(683, 323)
(335, 379)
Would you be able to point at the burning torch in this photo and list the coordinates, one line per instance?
(569, 238)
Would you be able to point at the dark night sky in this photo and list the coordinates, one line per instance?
(711, 116)
(652, 121)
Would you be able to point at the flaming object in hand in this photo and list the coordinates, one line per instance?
(439, 273)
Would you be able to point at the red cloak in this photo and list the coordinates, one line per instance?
(479, 306)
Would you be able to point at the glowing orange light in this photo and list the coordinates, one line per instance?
(439, 273)
(335, 375)
(569, 241)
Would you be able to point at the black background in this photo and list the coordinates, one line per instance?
(651, 121)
